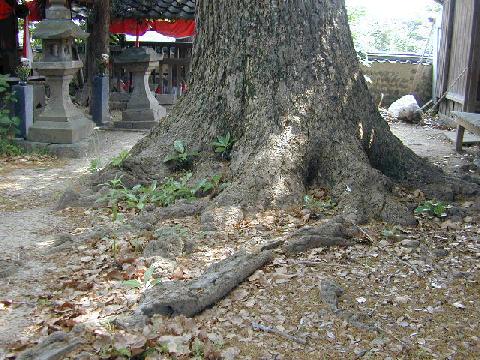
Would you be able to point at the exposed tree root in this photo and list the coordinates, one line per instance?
(331, 233)
(56, 347)
(330, 293)
(190, 298)
(147, 220)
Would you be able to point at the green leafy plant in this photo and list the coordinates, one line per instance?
(432, 208)
(8, 124)
(223, 145)
(95, 166)
(147, 282)
(23, 70)
(181, 158)
(119, 197)
(7, 148)
(110, 352)
(118, 160)
(319, 206)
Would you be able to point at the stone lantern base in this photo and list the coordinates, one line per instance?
(61, 122)
(140, 118)
(67, 131)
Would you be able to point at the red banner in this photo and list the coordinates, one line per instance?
(177, 29)
(5, 10)
(34, 11)
(129, 27)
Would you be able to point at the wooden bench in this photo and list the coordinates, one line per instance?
(464, 120)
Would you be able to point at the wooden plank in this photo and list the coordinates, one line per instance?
(445, 48)
(472, 93)
(461, 47)
(469, 121)
(458, 98)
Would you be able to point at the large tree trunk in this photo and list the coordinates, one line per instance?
(283, 78)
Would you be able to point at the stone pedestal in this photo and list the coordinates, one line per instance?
(61, 122)
(23, 108)
(143, 110)
(100, 100)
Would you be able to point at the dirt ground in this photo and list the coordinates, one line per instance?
(414, 292)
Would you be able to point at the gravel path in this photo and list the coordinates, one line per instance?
(28, 225)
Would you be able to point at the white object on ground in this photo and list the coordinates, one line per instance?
(405, 108)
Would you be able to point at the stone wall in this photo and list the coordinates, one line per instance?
(395, 79)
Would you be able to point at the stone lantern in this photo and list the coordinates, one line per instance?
(143, 110)
(61, 122)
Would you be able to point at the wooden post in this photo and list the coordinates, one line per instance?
(459, 142)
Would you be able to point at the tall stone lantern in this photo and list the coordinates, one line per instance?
(61, 122)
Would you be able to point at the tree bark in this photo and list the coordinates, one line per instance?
(98, 43)
(284, 79)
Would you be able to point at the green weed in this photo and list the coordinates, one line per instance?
(223, 145)
(120, 197)
(181, 158)
(118, 160)
(432, 208)
(319, 206)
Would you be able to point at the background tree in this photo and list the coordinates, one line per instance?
(283, 78)
(391, 32)
(98, 24)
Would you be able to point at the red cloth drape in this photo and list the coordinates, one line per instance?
(178, 28)
(34, 11)
(5, 10)
(129, 27)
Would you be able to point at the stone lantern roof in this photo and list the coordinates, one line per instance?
(49, 30)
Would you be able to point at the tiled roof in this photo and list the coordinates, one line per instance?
(154, 9)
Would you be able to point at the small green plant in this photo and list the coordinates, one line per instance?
(118, 160)
(23, 70)
(432, 208)
(119, 197)
(181, 158)
(223, 145)
(7, 148)
(111, 352)
(319, 206)
(147, 282)
(95, 166)
(8, 124)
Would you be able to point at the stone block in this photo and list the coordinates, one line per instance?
(77, 150)
(24, 107)
(166, 99)
(100, 100)
(60, 132)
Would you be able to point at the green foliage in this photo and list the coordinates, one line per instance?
(110, 352)
(120, 197)
(374, 33)
(95, 166)
(223, 145)
(23, 72)
(118, 160)
(147, 282)
(8, 124)
(432, 208)
(181, 158)
(319, 206)
(7, 148)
